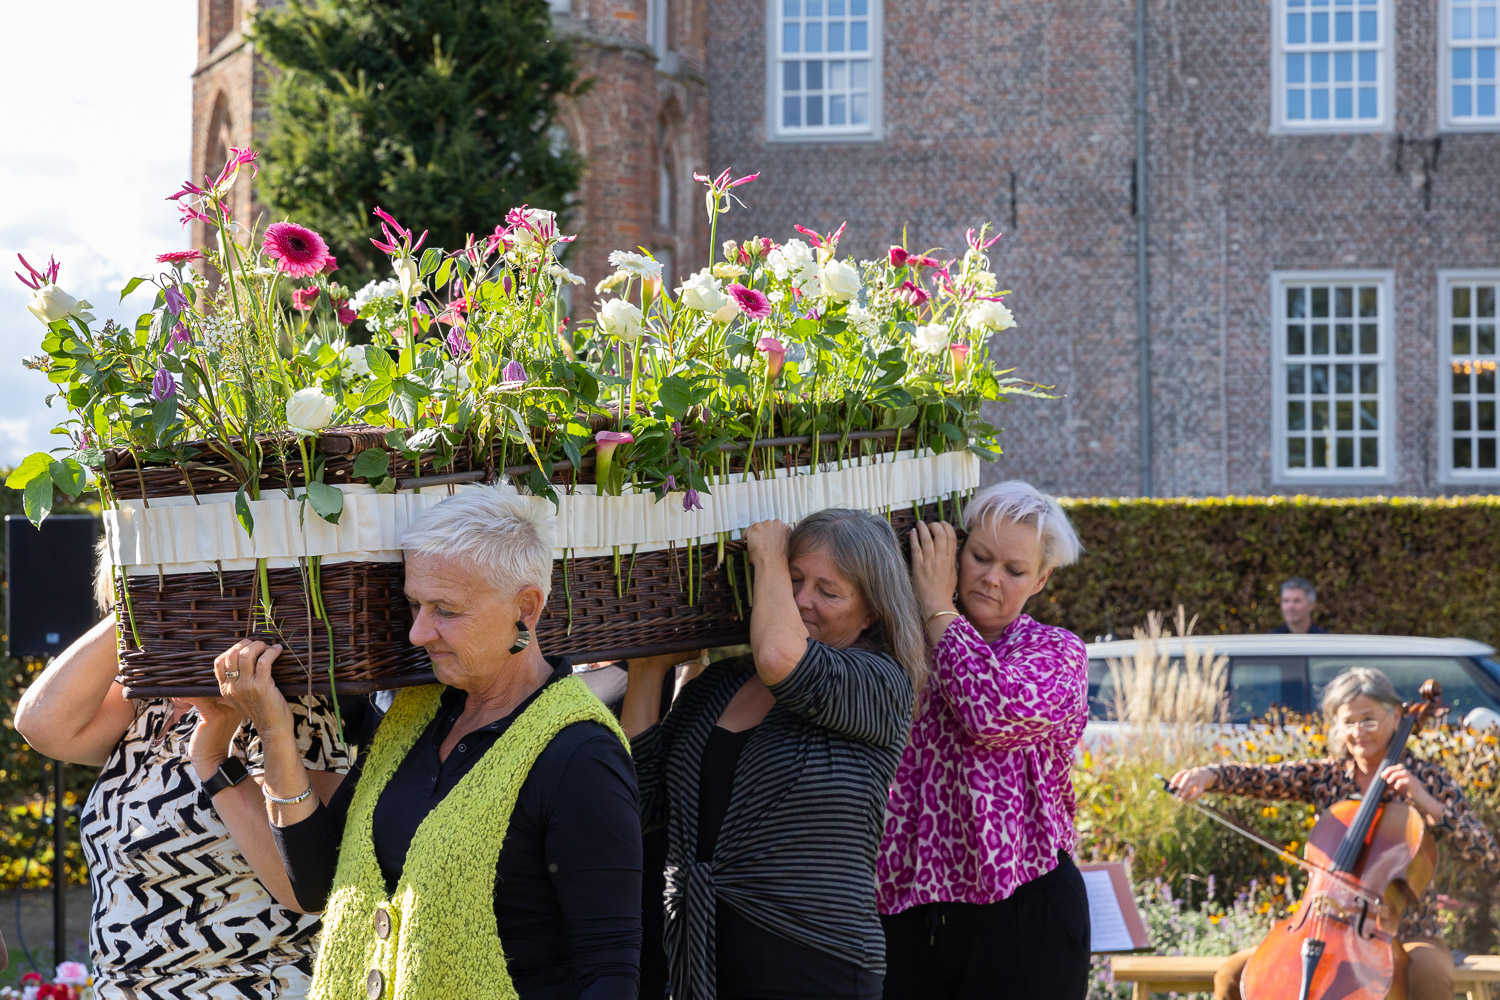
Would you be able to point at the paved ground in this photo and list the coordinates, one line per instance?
(36, 927)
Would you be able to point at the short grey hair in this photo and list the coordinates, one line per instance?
(864, 548)
(1303, 584)
(1354, 683)
(1023, 503)
(508, 538)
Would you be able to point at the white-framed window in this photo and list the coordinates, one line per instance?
(1331, 391)
(560, 6)
(1468, 54)
(823, 72)
(1467, 396)
(1332, 66)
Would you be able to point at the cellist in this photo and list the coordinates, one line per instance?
(1363, 711)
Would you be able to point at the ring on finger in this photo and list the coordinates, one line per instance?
(230, 675)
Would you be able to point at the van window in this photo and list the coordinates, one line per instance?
(1258, 682)
(1101, 690)
(1461, 689)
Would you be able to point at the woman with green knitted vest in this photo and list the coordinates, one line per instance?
(487, 841)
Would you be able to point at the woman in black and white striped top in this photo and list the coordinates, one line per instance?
(771, 772)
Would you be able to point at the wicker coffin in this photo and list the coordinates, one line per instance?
(180, 612)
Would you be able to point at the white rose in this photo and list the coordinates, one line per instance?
(620, 320)
(989, 314)
(310, 410)
(702, 292)
(727, 313)
(563, 275)
(407, 274)
(930, 338)
(840, 281)
(51, 304)
(538, 220)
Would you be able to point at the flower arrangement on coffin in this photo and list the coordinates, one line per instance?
(244, 386)
(70, 982)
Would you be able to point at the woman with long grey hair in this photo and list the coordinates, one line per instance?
(1362, 711)
(770, 772)
(977, 884)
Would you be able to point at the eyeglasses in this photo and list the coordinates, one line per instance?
(1365, 726)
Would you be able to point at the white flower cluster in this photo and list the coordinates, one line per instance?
(794, 260)
(389, 288)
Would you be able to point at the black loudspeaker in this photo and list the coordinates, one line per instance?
(49, 573)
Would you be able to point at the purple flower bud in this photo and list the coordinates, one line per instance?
(690, 500)
(180, 335)
(514, 372)
(163, 385)
(458, 343)
(677, 428)
(671, 484)
(176, 301)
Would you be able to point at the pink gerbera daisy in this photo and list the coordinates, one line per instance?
(752, 303)
(179, 257)
(299, 252)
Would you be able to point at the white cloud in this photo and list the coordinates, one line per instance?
(97, 134)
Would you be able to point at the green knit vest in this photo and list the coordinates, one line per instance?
(440, 939)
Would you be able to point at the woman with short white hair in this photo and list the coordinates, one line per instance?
(976, 882)
(487, 841)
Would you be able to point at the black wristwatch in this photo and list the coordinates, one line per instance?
(230, 773)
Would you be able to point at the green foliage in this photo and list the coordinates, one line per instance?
(1395, 566)
(1124, 815)
(433, 109)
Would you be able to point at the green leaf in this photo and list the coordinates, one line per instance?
(381, 365)
(403, 408)
(69, 476)
(91, 457)
(431, 258)
(163, 416)
(38, 499)
(676, 395)
(952, 433)
(372, 463)
(38, 464)
(327, 500)
(736, 379)
(242, 511)
(444, 273)
(525, 435)
(130, 286)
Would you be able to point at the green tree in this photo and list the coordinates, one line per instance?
(441, 112)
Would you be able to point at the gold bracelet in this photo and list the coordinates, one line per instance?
(939, 614)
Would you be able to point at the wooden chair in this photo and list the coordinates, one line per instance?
(1476, 978)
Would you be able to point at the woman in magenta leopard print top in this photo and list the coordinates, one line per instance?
(976, 885)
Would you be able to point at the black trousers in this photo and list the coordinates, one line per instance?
(1033, 945)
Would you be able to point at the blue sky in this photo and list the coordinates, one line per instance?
(97, 124)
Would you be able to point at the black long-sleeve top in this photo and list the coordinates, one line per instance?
(568, 882)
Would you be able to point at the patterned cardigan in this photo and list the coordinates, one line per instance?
(1324, 782)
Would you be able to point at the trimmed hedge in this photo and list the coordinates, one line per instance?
(1389, 566)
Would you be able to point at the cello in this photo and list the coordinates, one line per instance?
(1367, 859)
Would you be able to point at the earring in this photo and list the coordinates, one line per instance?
(523, 637)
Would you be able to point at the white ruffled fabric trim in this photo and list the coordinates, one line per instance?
(178, 535)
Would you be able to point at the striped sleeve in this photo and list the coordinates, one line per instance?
(859, 694)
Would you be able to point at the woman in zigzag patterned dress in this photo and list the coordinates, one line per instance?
(177, 911)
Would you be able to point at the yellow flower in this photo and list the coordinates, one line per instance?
(1213, 918)
(1274, 758)
(1269, 811)
(1279, 879)
(1263, 908)
(1319, 738)
(1292, 845)
(1249, 746)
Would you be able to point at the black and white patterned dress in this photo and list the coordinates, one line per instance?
(177, 911)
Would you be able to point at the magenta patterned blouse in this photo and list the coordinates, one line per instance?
(983, 799)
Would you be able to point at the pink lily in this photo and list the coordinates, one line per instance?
(38, 278)
(605, 443)
(960, 355)
(188, 188)
(775, 353)
(237, 159)
(398, 241)
(722, 183)
(978, 243)
(829, 242)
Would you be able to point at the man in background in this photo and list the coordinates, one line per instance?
(1298, 599)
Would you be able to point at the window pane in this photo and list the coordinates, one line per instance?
(1367, 66)
(1343, 67)
(1460, 338)
(1462, 409)
(1296, 104)
(789, 38)
(1368, 32)
(1319, 27)
(1344, 453)
(1296, 339)
(1320, 301)
(791, 111)
(1295, 68)
(1484, 381)
(814, 74)
(1484, 414)
(837, 72)
(1463, 23)
(1296, 453)
(1369, 102)
(1343, 301)
(1407, 673)
(1460, 300)
(1319, 64)
(1320, 415)
(1296, 28)
(1369, 379)
(859, 7)
(1463, 66)
(1343, 102)
(1486, 456)
(1343, 338)
(1296, 416)
(1484, 338)
(1343, 415)
(1343, 26)
(859, 74)
(791, 76)
(1320, 453)
(814, 8)
(791, 8)
(1369, 300)
(859, 36)
(1461, 380)
(837, 110)
(814, 110)
(1296, 379)
(1463, 454)
(1462, 101)
(1343, 380)
(1486, 101)
(1485, 22)
(1296, 302)
(1485, 300)
(1368, 338)
(1369, 415)
(836, 7)
(1320, 338)
(1369, 452)
(815, 37)
(835, 36)
(859, 110)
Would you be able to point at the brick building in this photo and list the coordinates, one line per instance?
(1321, 208)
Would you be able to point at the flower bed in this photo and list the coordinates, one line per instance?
(256, 464)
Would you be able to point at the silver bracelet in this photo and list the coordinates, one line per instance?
(285, 802)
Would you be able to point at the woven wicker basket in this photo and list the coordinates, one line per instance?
(186, 620)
